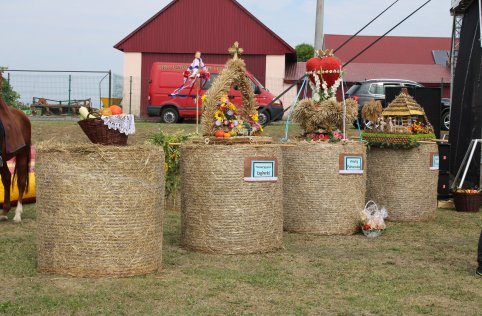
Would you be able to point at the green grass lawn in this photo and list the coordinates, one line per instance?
(421, 268)
(414, 268)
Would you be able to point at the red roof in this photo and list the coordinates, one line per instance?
(185, 26)
(389, 50)
(361, 71)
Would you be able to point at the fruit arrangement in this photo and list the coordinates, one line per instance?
(86, 113)
(468, 191)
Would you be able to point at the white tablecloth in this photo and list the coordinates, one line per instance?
(122, 123)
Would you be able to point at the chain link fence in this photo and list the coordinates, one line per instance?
(65, 87)
(70, 88)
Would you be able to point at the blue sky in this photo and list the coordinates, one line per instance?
(79, 35)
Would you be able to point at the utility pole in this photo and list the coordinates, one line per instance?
(319, 36)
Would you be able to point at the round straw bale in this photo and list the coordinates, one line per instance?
(317, 198)
(220, 212)
(401, 181)
(99, 210)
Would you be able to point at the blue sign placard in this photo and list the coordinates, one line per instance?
(352, 164)
(435, 162)
(261, 170)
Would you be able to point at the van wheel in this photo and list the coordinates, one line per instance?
(169, 116)
(263, 117)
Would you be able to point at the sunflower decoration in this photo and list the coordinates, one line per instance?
(227, 116)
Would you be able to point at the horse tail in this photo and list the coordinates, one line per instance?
(27, 167)
(27, 181)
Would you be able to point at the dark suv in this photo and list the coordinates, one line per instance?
(366, 90)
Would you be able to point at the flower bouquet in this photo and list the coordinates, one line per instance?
(372, 220)
(332, 137)
(229, 121)
(467, 200)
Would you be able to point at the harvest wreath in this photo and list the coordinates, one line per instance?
(221, 118)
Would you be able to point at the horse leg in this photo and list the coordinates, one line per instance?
(22, 177)
(6, 181)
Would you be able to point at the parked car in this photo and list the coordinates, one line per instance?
(445, 118)
(166, 78)
(364, 91)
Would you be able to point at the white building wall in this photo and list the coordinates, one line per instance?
(132, 88)
(275, 74)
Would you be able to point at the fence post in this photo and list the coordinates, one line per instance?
(70, 90)
(130, 95)
(110, 88)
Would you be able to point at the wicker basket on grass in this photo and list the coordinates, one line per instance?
(99, 210)
(317, 198)
(401, 180)
(221, 212)
(467, 202)
(99, 133)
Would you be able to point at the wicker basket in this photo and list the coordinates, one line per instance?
(317, 198)
(221, 212)
(99, 210)
(466, 202)
(99, 133)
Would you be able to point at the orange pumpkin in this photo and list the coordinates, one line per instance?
(219, 133)
(115, 109)
(227, 135)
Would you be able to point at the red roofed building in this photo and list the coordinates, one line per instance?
(186, 26)
(421, 59)
(183, 27)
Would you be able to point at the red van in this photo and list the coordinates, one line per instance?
(166, 78)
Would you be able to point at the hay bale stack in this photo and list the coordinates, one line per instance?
(220, 212)
(401, 181)
(99, 210)
(317, 198)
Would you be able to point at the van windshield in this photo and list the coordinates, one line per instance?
(213, 77)
(258, 83)
(208, 84)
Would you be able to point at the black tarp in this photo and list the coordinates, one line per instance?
(466, 110)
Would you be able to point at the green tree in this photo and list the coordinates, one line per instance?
(10, 96)
(304, 52)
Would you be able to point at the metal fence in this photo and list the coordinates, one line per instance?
(64, 86)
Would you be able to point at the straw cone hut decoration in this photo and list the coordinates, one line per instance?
(402, 124)
(215, 118)
(404, 110)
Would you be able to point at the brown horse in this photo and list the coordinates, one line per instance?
(15, 131)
